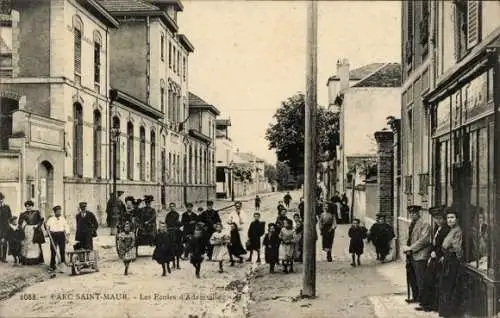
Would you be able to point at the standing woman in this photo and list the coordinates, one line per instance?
(327, 226)
(450, 300)
(30, 222)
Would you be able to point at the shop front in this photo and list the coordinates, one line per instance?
(464, 141)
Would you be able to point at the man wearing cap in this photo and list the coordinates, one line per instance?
(59, 232)
(188, 220)
(380, 235)
(210, 217)
(5, 216)
(86, 228)
(114, 209)
(174, 231)
(430, 297)
(417, 249)
(147, 215)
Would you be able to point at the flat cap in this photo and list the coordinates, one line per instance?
(414, 208)
(437, 211)
(57, 207)
(29, 203)
(82, 204)
(129, 198)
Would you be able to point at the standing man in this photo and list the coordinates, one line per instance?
(86, 228)
(238, 217)
(257, 203)
(287, 199)
(210, 217)
(301, 208)
(381, 235)
(188, 220)
(147, 225)
(417, 250)
(59, 231)
(172, 217)
(5, 216)
(114, 209)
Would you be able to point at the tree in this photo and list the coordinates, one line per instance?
(270, 173)
(286, 135)
(282, 174)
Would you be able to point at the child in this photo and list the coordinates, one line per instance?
(287, 246)
(15, 238)
(196, 249)
(271, 245)
(298, 237)
(257, 203)
(255, 232)
(235, 246)
(126, 246)
(219, 242)
(357, 233)
(164, 251)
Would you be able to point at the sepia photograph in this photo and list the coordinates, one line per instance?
(249, 158)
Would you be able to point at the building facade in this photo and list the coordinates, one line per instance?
(363, 97)
(223, 158)
(450, 129)
(54, 75)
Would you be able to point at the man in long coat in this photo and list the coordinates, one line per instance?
(147, 224)
(86, 228)
(210, 217)
(5, 216)
(114, 209)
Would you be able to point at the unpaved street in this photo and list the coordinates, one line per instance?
(144, 292)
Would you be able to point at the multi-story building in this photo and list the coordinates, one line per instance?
(224, 158)
(363, 98)
(149, 63)
(54, 84)
(450, 129)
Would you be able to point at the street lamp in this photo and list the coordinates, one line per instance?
(115, 138)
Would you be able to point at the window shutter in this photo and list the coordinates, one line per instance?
(473, 26)
(78, 50)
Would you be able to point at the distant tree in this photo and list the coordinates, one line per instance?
(286, 135)
(270, 173)
(243, 173)
(282, 174)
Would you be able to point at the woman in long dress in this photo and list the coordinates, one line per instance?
(235, 247)
(126, 246)
(287, 246)
(30, 222)
(219, 242)
(327, 226)
(450, 291)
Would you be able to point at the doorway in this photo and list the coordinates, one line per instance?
(46, 188)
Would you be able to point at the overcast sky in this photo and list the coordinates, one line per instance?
(250, 56)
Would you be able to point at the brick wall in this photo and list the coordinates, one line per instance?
(385, 162)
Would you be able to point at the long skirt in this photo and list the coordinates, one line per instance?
(31, 253)
(220, 253)
(430, 296)
(450, 287)
(286, 251)
(327, 239)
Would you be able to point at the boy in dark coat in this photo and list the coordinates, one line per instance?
(188, 220)
(196, 247)
(381, 235)
(164, 252)
(271, 246)
(15, 238)
(257, 203)
(255, 232)
(357, 233)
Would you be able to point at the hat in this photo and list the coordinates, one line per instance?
(148, 198)
(129, 198)
(200, 209)
(380, 216)
(138, 201)
(451, 210)
(414, 208)
(57, 207)
(82, 204)
(189, 205)
(437, 211)
(2, 196)
(29, 203)
(210, 202)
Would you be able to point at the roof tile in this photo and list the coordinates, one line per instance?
(361, 72)
(127, 5)
(387, 76)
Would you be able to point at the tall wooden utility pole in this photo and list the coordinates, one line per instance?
(309, 278)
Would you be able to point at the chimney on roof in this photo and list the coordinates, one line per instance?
(343, 74)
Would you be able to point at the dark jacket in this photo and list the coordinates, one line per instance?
(210, 218)
(172, 219)
(436, 246)
(189, 222)
(5, 216)
(86, 227)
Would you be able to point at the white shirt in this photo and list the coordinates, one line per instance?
(60, 224)
(240, 219)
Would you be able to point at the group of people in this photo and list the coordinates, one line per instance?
(22, 237)
(435, 261)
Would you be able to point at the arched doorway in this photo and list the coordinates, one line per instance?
(45, 188)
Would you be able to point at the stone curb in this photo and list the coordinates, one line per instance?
(17, 283)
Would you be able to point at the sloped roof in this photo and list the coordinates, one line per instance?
(360, 72)
(128, 5)
(197, 102)
(248, 157)
(388, 75)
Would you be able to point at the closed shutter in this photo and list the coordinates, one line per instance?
(78, 50)
(473, 27)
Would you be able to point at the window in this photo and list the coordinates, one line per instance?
(77, 39)
(184, 69)
(162, 47)
(461, 28)
(409, 35)
(162, 99)
(97, 59)
(190, 165)
(174, 168)
(473, 23)
(97, 144)
(174, 107)
(424, 28)
(196, 166)
(142, 154)
(178, 62)
(153, 156)
(170, 54)
(78, 140)
(130, 151)
(185, 179)
(116, 148)
(170, 167)
(170, 105)
(6, 53)
(174, 58)
(163, 166)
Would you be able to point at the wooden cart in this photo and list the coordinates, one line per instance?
(82, 259)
